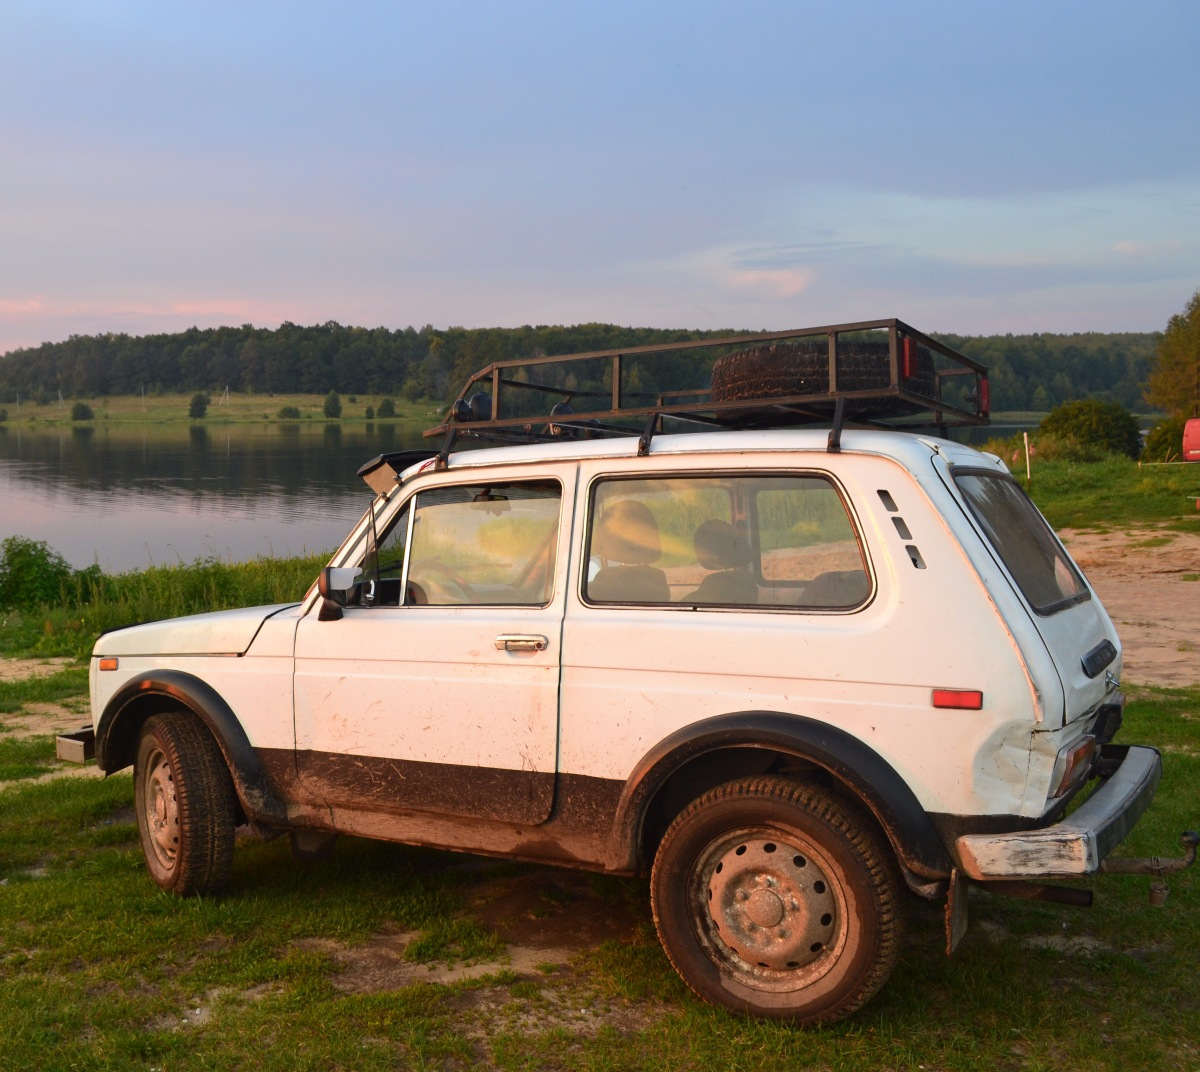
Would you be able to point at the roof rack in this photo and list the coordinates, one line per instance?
(872, 374)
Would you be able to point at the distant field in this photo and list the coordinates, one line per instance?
(158, 409)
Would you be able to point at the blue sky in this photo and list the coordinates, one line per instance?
(967, 166)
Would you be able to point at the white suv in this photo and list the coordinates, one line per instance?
(787, 672)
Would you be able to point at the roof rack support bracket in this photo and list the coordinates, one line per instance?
(647, 434)
(443, 455)
(835, 433)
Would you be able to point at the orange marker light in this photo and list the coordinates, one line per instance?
(109, 664)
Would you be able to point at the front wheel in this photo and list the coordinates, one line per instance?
(777, 898)
(185, 805)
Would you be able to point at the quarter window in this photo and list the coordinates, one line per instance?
(756, 540)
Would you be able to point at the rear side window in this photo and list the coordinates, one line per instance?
(751, 540)
(1046, 576)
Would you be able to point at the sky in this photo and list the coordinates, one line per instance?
(968, 166)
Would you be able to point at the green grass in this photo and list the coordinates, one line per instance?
(99, 970)
(151, 595)
(25, 757)
(1116, 493)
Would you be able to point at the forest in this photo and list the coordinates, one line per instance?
(1027, 372)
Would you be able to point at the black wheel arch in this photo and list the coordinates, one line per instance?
(700, 756)
(157, 691)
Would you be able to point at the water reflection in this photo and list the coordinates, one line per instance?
(132, 495)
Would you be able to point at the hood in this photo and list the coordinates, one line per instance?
(226, 632)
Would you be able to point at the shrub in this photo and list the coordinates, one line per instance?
(370, 413)
(1164, 443)
(31, 573)
(1091, 422)
(387, 408)
(3, 415)
(288, 413)
(198, 406)
(81, 411)
(333, 406)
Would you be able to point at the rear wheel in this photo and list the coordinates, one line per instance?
(185, 805)
(777, 898)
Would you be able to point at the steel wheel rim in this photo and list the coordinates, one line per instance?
(769, 907)
(160, 809)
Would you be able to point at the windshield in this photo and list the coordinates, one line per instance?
(1045, 575)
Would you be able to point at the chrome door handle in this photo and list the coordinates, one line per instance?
(521, 642)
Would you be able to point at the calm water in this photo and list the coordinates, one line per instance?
(130, 496)
(127, 497)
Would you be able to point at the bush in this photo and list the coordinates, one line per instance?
(370, 413)
(288, 413)
(1165, 441)
(81, 411)
(198, 406)
(3, 415)
(333, 406)
(31, 574)
(387, 408)
(1091, 422)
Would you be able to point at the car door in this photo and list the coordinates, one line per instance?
(438, 690)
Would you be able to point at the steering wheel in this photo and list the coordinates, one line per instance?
(465, 591)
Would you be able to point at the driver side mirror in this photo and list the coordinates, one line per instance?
(335, 584)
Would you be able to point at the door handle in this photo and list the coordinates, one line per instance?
(521, 642)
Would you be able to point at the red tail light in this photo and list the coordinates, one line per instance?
(908, 359)
(985, 400)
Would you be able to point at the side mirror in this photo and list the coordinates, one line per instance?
(335, 583)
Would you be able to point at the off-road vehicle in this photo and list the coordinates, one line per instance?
(733, 613)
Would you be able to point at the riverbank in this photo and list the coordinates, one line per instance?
(234, 408)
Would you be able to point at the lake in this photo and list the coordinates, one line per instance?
(130, 496)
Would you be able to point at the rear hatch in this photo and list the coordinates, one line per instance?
(1056, 598)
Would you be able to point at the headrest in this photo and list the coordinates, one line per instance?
(719, 547)
(627, 533)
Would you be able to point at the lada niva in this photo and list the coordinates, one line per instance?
(793, 673)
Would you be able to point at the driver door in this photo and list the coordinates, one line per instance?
(438, 691)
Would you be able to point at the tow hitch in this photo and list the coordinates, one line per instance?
(1156, 866)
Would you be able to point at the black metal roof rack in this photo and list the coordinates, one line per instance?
(873, 374)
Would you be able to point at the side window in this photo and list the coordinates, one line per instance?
(483, 544)
(757, 540)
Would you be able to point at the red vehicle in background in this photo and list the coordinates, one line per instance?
(1191, 440)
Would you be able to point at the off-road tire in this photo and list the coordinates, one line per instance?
(778, 899)
(185, 804)
(783, 369)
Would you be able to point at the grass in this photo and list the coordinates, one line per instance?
(238, 407)
(70, 627)
(1116, 493)
(99, 970)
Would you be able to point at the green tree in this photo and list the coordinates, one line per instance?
(387, 408)
(333, 406)
(1174, 384)
(1165, 441)
(81, 411)
(198, 406)
(1095, 423)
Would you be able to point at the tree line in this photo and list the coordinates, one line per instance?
(1027, 372)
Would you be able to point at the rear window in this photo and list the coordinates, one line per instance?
(1046, 576)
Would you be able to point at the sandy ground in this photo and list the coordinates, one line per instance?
(1149, 581)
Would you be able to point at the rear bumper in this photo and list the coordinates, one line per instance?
(1076, 845)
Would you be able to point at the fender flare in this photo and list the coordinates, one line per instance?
(154, 691)
(854, 764)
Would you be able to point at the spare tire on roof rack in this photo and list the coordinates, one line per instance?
(801, 368)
